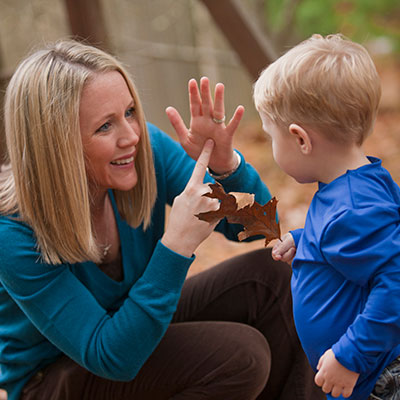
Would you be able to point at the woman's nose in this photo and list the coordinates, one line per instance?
(129, 134)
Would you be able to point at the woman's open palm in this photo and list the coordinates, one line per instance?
(204, 114)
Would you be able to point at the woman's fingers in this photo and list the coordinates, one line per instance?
(235, 120)
(194, 98)
(207, 103)
(219, 106)
(185, 231)
(178, 124)
(200, 168)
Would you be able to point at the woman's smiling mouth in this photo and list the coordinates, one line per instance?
(123, 161)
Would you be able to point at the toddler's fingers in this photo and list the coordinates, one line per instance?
(318, 379)
(288, 255)
(327, 387)
(346, 392)
(276, 256)
(277, 250)
(336, 391)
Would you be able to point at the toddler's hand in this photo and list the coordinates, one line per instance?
(285, 249)
(333, 377)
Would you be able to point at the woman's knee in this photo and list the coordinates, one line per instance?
(255, 347)
(233, 362)
(250, 360)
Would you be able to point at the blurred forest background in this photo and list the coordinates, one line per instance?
(164, 43)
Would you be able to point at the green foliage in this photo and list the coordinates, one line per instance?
(360, 20)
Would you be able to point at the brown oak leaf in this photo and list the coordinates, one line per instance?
(240, 208)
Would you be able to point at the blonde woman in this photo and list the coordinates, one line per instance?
(94, 301)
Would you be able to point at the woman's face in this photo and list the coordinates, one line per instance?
(110, 132)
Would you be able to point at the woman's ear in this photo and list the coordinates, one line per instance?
(302, 137)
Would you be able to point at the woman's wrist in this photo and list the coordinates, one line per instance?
(177, 246)
(224, 175)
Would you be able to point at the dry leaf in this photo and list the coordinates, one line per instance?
(240, 208)
(243, 199)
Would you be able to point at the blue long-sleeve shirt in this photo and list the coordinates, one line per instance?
(346, 274)
(109, 327)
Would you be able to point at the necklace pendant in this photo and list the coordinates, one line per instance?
(106, 249)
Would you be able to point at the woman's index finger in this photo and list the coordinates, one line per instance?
(200, 168)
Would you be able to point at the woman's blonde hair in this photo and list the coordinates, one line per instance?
(329, 83)
(47, 183)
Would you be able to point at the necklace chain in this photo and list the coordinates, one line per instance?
(106, 247)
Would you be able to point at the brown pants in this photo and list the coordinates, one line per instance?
(232, 337)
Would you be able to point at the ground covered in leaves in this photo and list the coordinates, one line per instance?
(293, 198)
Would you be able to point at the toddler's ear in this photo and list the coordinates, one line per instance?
(302, 137)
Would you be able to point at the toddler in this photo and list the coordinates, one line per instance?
(318, 103)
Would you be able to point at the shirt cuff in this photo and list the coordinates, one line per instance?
(296, 235)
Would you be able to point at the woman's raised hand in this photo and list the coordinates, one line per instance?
(208, 121)
(185, 232)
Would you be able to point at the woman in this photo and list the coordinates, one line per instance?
(94, 301)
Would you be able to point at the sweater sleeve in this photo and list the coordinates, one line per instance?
(364, 246)
(113, 346)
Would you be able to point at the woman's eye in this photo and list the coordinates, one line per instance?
(104, 128)
(130, 112)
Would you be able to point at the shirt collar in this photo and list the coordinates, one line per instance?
(374, 162)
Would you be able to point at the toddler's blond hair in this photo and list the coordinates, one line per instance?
(325, 83)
